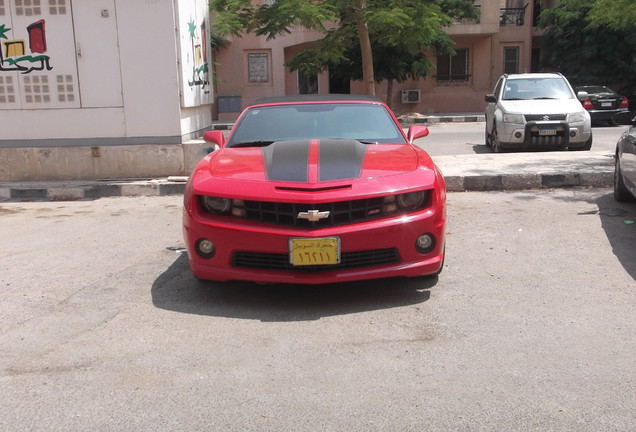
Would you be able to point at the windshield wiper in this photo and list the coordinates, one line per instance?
(544, 98)
(257, 143)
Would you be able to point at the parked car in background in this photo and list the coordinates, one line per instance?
(629, 91)
(536, 111)
(312, 190)
(601, 102)
(625, 159)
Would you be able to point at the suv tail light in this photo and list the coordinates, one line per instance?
(587, 104)
(624, 103)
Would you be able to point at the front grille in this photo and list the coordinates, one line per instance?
(340, 213)
(534, 138)
(348, 260)
(545, 117)
(548, 141)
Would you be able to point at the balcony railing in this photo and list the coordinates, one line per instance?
(512, 16)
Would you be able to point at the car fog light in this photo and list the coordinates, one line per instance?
(205, 248)
(425, 243)
(572, 133)
(518, 135)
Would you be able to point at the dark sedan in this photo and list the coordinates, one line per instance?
(625, 164)
(601, 102)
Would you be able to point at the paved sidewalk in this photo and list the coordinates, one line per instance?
(468, 172)
(474, 172)
(514, 171)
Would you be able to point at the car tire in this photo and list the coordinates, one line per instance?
(621, 194)
(585, 147)
(495, 143)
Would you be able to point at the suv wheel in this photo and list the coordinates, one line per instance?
(584, 147)
(495, 143)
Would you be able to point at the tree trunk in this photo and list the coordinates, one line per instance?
(389, 92)
(368, 77)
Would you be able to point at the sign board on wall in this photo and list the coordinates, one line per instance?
(194, 52)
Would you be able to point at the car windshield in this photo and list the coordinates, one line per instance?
(536, 88)
(370, 123)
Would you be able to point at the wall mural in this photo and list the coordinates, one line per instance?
(194, 52)
(13, 54)
(200, 74)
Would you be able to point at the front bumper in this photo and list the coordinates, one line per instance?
(393, 240)
(544, 134)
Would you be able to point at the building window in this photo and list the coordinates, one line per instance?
(511, 60)
(307, 84)
(453, 68)
(258, 67)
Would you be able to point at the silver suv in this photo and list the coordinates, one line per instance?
(536, 111)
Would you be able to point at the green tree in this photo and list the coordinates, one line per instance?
(618, 14)
(402, 28)
(586, 49)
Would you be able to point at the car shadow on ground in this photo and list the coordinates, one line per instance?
(619, 223)
(481, 148)
(177, 290)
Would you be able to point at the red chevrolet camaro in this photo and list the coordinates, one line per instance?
(312, 190)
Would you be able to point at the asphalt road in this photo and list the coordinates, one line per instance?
(468, 138)
(529, 327)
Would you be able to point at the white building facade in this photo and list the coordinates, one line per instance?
(102, 88)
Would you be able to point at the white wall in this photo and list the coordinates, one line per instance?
(114, 74)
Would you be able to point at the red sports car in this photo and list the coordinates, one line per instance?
(312, 190)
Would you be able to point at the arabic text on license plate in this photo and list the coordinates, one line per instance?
(551, 131)
(314, 251)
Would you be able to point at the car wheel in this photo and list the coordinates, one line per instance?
(585, 147)
(621, 193)
(495, 143)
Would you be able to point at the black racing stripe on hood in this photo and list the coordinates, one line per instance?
(287, 160)
(341, 159)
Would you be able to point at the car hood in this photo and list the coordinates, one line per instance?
(541, 106)
(313, 161)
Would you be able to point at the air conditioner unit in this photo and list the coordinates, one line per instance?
(411, 96)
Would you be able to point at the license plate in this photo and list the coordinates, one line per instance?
(546, 131)
(314, 251)
(606, 104)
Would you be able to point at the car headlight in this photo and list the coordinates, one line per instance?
(513, 118)
(404, 202)
(223, 206)
(410, 200)
(577, 117)
(216, 204)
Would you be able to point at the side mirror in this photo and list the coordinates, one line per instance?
(214, 137)
(417, 131)
(582, 95)
(490, 98)
(625, 118)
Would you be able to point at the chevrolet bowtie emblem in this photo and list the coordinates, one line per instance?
(313, 215)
